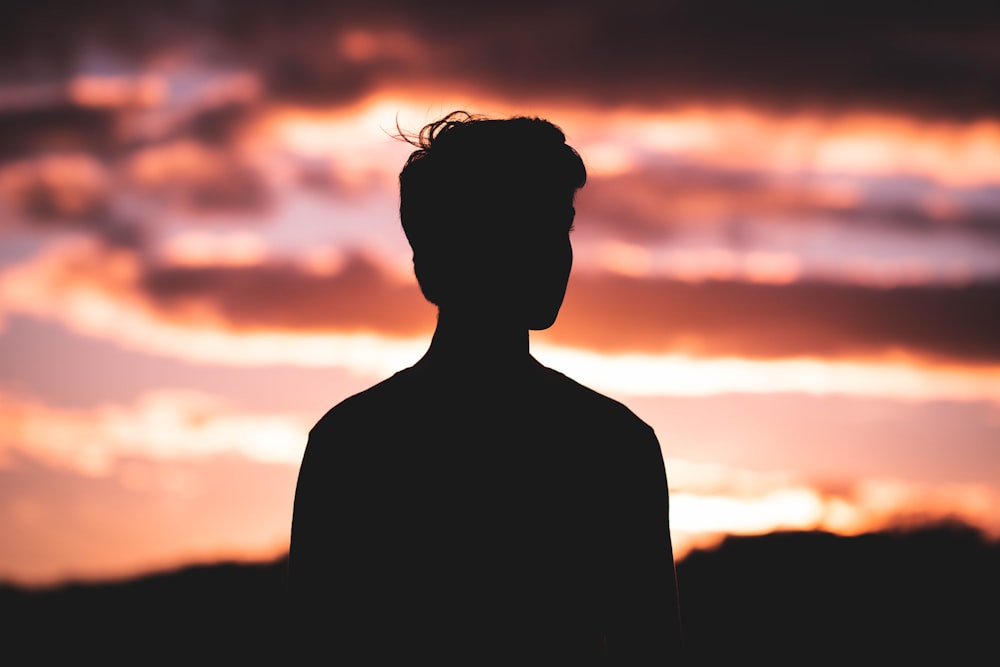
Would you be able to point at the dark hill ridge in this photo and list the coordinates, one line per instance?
(206, 614)
(804, 598)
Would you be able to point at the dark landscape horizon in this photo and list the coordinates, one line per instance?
(921, 593)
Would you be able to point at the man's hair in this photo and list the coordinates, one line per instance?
(474, 183)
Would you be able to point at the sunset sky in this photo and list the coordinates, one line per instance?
(787, 254)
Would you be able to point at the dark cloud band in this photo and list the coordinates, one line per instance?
(612, 313)
(882, 55)
(718, 318)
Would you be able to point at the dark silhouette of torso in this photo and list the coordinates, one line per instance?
(515, 521)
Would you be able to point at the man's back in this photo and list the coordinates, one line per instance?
(512, 518)
(478, 508)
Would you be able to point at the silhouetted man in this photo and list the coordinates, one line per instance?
(479, 508)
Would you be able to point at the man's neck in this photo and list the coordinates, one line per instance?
(477, 340)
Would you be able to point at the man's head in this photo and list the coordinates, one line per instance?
(487, 206)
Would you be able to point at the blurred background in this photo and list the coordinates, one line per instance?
(787, 254)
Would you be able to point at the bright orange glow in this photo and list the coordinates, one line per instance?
(205, 249)
(785, 509)
(624, 259)
(709, 501)
(162, 426)
(680, 375)
(608, 159)
(862, 144)
(773, 268)
(636, 261)
(117, 91)
(695, 265)
(357, 139)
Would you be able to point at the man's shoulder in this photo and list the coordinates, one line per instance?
(365, 406)
(591, 405)
(605, 427)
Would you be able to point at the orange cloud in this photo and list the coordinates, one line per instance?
(60, 187)
(239, 296)
(199, 177)
(162, 425)
(747, 138)
(117, 91)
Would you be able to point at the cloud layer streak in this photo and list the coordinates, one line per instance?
(603, 312)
